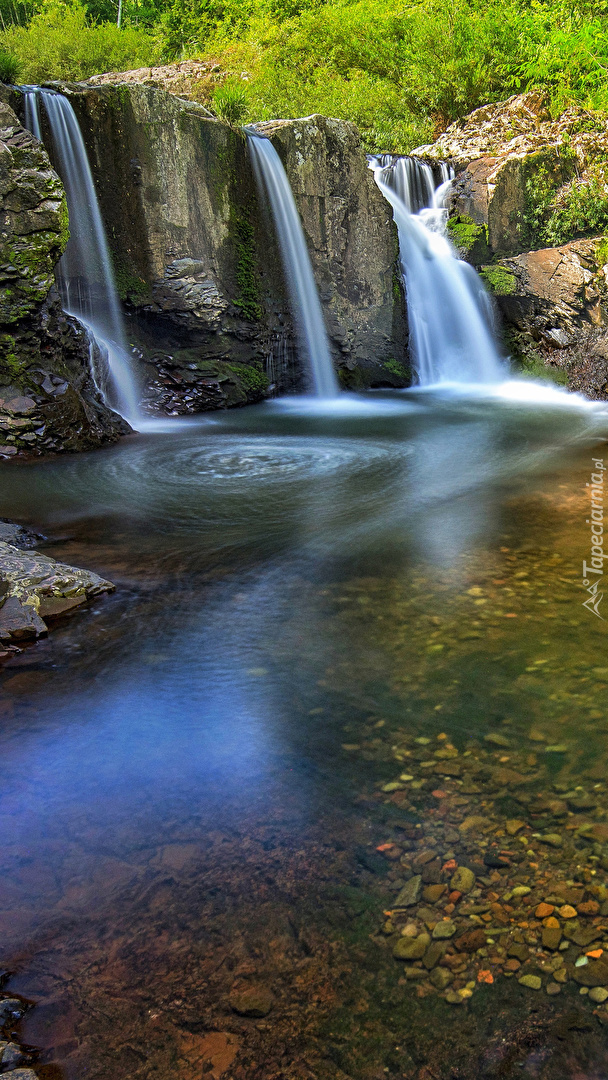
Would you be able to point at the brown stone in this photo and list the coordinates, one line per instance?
(595, 973)
(588, 907)
(551, 937)
(252, 1000)
(471, 941)
(433, 893)
(543, 911)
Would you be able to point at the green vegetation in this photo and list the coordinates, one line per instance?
(400, 72)
(395, 368)
(255, 383)
(247, 299)
(561, 205)
(469, 239)
(10, 67)
(230, 102)
(498, 280)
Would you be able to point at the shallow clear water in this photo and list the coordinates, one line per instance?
(178, 807)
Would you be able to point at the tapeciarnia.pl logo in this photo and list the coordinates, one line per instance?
(593, 572)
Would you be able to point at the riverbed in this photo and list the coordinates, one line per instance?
(203, 817)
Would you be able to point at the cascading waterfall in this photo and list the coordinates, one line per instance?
(272, 181)
(84, 272)
(449, 311)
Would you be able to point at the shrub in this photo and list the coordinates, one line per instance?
(10, 67)
(230, 102)
(59, 43)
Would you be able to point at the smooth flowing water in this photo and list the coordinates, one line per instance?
(84, 273)
(450, 315)
(312, 336)
(199, 769)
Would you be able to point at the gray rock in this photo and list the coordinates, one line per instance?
(11, 1056)
(23, 1074)
(410, 893)
(11, 1009)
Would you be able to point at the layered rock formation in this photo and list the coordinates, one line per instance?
(196, 259)
(522, 179)
(47, 398)
(34, 587)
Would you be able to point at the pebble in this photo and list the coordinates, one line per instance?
(441, 978)
(553, 988)
(568, 912)
(533, 982)
(553, 839)
(463, 880)
(444, 929)
(543, 911)
(551, 937)
(407, 948)
(497, 740)
(410, 893)
(598, 994)
(521, 890)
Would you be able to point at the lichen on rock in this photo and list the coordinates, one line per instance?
(34, 587)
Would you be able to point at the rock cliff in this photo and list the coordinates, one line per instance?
(196, 259)
(47, 398)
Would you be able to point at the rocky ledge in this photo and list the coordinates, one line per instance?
(34, 587)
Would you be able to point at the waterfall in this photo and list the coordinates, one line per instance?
(272, 181)
(84, 272)
(449, 311)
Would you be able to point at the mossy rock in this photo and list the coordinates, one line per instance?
(499, 280)
(469, 239)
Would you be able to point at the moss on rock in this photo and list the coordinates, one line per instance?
(499, 281)
(469, 239)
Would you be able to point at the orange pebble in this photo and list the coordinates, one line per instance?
(451, 864)
(485, 977)
(454, 896)
(544, 910)
(552, 923)
(512, 965)
(595, 953)
(437, 794)
(568, 912)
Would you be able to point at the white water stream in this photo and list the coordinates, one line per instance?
(272, 181)
(84, 273)
(450, 314)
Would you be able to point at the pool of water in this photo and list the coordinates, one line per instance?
(198, 770)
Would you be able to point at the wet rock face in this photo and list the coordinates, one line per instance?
(47, 398)
(196, 259)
